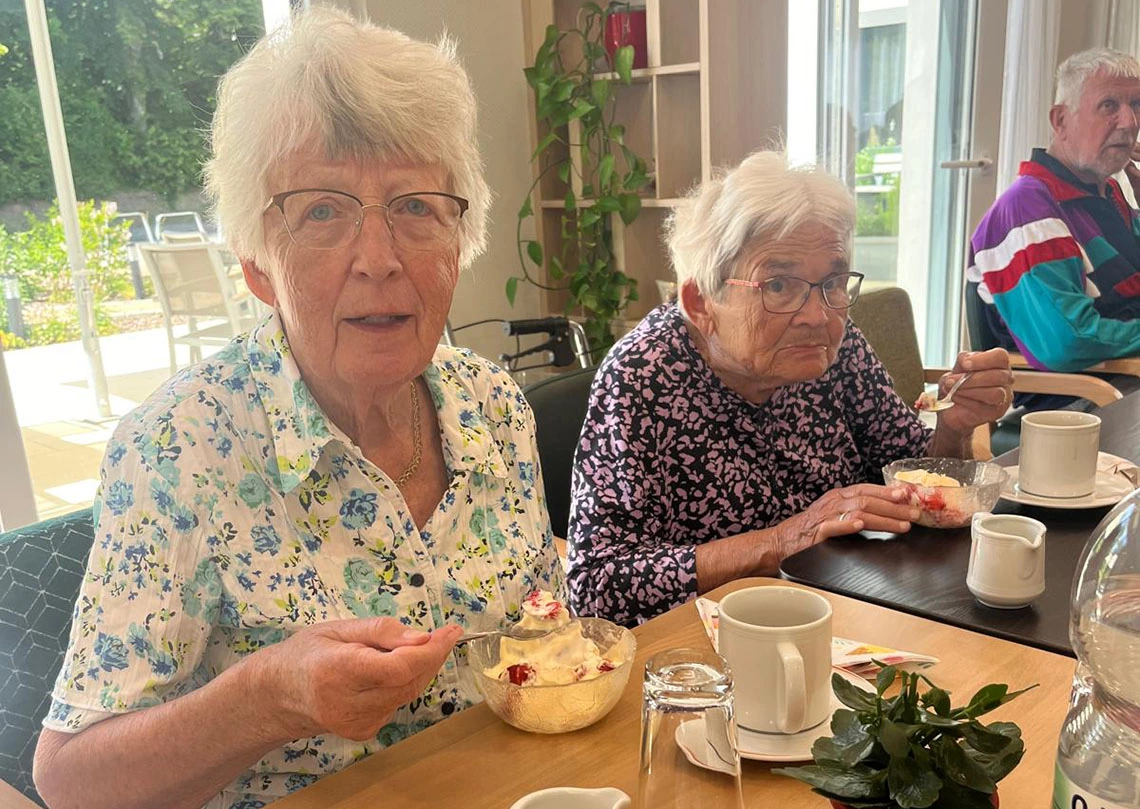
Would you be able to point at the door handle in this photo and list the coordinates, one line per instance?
(981, 163)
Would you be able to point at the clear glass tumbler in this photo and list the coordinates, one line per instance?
(689, 756)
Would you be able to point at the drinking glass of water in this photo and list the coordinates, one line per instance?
(689, 756)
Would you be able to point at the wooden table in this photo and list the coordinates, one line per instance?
(475, 760)
(924, 571)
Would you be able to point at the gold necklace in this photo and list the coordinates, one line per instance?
(417, 449)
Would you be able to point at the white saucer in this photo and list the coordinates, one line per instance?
(1110, 488)
(693, 742)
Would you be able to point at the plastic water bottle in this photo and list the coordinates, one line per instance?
(1098, 758)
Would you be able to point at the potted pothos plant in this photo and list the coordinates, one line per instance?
(573, 81)
(912, 750)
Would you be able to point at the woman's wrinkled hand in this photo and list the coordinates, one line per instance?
(349, 677)
(849, 510)
(984, 397)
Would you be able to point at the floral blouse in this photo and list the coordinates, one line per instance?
(671, 458)
(232, 512)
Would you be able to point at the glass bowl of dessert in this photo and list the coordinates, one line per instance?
(947, 491)
(565, 679)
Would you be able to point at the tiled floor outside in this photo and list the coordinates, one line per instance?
(64, 435)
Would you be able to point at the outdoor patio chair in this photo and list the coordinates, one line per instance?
(191, 281)
(179, 227)
(140, 234)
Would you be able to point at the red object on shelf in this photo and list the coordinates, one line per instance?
(627, 28)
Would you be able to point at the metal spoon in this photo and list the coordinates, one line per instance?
(514, 632)
(946, 402)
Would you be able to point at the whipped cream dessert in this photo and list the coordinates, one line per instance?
(921, 477)
(563, 656)
(543, 612)
(925, 401)
(944, 501)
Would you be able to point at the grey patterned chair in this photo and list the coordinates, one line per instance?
(41, 567)
(559, 404)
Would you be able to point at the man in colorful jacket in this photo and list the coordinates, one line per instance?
(1057, 257)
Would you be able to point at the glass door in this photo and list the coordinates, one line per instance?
(896, 119)
(136, 148)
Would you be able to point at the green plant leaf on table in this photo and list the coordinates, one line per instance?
(987, 699)
(849, 743)
(959, 767)
(912, 750)
(853, 783)
(911, 786)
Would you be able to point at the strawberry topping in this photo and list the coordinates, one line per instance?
(520, 673)
(543, 609)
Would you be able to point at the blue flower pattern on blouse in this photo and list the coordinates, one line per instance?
(232, 513)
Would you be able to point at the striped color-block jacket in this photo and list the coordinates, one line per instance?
(1058, 266)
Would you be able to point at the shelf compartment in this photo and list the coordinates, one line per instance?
(643, 257)
(677, 33)
(643, 74)
(678, 134)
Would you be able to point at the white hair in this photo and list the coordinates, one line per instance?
(1075, 70)
(354, 91)
(762, 198)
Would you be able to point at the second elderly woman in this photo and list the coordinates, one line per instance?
(749, 420)
(291, 536)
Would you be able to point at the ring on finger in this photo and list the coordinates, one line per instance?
(845, 516)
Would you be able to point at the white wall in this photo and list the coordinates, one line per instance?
(803, 83)
(490, 41)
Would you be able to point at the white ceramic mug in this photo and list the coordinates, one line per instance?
(1058, 453)
(777, 640)
(1007, 560)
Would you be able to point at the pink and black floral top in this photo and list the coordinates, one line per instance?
(670, 458)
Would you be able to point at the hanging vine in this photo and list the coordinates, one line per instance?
(608, 172)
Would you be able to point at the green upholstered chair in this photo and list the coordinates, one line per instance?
(886, 319)
(41, 568)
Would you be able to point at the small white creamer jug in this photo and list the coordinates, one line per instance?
(574, 798)
(1007, 560)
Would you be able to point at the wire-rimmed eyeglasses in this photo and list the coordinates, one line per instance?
(785, 294)
(324, 219)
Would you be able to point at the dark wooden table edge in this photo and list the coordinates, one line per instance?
(1066, 651)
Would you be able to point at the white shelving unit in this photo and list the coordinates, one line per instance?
(714, 90)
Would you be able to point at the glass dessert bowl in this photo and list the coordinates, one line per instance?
(948, 491)
(560, 707)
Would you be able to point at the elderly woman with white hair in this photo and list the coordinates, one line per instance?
(750, 420)
(292, 536)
